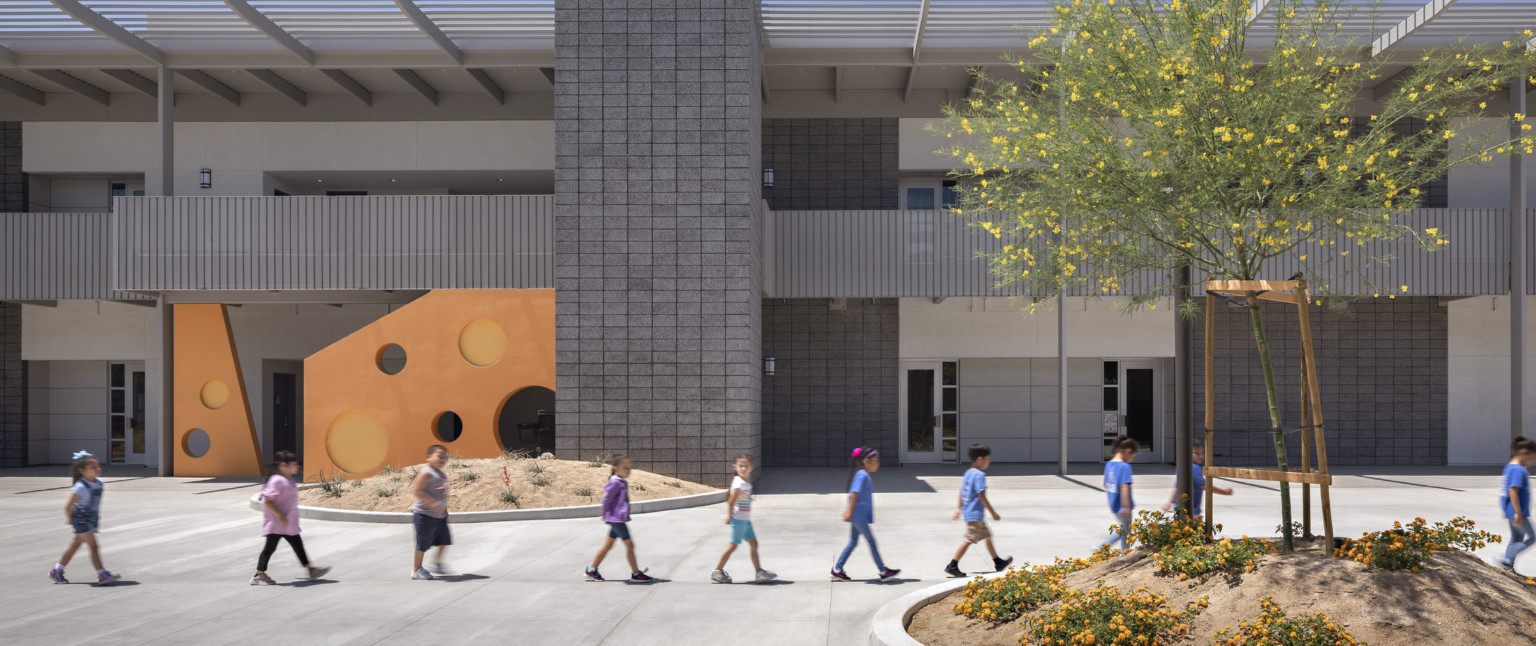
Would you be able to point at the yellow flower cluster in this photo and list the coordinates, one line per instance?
(1023, 588)
(1274, 628)
(1199, 560)
(1408, 547)
(1104, 615)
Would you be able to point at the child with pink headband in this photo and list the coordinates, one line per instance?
(860, 513)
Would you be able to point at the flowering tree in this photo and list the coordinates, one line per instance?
(1153, 137)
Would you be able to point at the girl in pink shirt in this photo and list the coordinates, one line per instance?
(280, 519)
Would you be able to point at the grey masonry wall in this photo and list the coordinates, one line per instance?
(831, 163)
(657, 220)
(13, 377)
(835, 380)
(1381, 371)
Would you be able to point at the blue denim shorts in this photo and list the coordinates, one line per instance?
(619, 531)
(741, 530)
(84, 522)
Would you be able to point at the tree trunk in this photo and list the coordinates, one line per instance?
(1270, 393)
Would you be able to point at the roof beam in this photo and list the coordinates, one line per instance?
(59, 78)
(1257, 10)
(211, 84)
(7, 56)
(347, 83)
(265, 25)
(549, 75)
(414, 80)
(917, 50)
(280, 84)
(488, 84)
(21, 90)
(429, 28)
(109, 29)
(133, 80)
(1412, 23)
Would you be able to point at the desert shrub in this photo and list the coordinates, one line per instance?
(541, 481)
(384, 493)
(469, 476)
(637, 486)
(357, 484)
(1023, 588)
(674, 483)
(1187, 560)
(333, 486)
(516, 454)
(599, 460)
(585, 492)
(1274, 628)
(389, 469)
(510, 497)
(1104, 615)
(535, 468)
(1157, 530)
(1406, 548)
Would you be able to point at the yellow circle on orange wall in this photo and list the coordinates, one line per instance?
(215, 394)
(357, 441)
(482, 342)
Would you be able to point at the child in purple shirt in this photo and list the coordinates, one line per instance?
(616, 514)
(280, 518)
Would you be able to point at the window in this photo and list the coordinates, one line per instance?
(920, 199)
(951, 193)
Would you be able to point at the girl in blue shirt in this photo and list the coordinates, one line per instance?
(1117, 486)
(1516, 499)
(860, 512)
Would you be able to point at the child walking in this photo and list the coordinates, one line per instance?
(1117, 486)
(430, 513)
(738, 514)
(280, 519)
(1197, 459)
(860, 512)
(974, 506)
(1516, 499)
(83, 513)
(616, 514)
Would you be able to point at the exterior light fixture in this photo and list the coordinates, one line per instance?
(768, 366)
(205, 178)
(767, 178)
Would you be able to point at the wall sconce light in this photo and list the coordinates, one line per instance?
(768, 366)
(767, 178)
(205, 178)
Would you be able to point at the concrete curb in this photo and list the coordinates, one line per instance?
(889, 627)
(583, 511)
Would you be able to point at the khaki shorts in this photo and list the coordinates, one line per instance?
(976, 531)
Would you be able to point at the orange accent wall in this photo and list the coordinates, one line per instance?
(210, 395)
(466, 351)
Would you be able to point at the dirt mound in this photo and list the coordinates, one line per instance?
(1455, 598)
(476, 485)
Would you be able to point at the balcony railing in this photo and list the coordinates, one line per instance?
(56, 256)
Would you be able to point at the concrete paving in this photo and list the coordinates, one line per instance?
(187, 547)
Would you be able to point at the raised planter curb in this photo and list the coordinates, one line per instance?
(889, 627)
(583, 511)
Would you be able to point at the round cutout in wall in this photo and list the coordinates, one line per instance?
(196, 443)
(391, 359)
(356, 441)
(482, 342)
(448, 426)
(214, 394)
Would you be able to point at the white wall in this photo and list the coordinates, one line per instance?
(1478, 367)
(916, 149)
(1011, 406)
(240, 153)
(995, 327)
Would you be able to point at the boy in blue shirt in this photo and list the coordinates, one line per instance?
(1117, 486)
(975, 506)
(1516, 499)
(1197, 458)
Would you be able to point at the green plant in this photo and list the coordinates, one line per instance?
(585, 492)
(385, 493)
(674, 483)
(469, 476)
(509, 497)
(1158, 530)
(541, 481)
(1023, 588)
(1406, 548)
(516, 454)
(535, 468)
(637, 486)
(1104, 615)
(389, 469)
(333, 486)
(1274, 628)
(357, 484)
(1199, 560)
(598, 460)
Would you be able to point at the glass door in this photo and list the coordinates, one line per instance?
(1131, 406)
(125, 430)
(930, 411)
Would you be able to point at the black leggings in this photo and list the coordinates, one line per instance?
(266, 552)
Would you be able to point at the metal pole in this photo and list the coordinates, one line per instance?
(1518, 266)
(167, 131)
(1061, 377)
(1184, 478)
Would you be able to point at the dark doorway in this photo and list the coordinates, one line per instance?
(527, 421)
(285, 412)
(1141, 407)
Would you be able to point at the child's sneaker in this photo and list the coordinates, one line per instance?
(888, 573)
(1002, 564)
(439, 568)
(57, 574)
(839, 575)
(316, 572)
(764, 576)
(421, 574)
(593, 574)
(261, 578)
(954, 571)
(104, 577)
(641, 576)
(719, 576)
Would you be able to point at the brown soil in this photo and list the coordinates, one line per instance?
(483, 493)
(1454, 599)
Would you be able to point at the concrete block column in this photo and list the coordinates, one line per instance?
(13, 376)
(657, 226)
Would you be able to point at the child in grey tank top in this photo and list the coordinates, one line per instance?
(430, 513)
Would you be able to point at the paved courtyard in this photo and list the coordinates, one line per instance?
(187, 546)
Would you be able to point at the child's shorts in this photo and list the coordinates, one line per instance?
(84, 522)
(619, 531)
(976, 531)
(430, 531)
(741, 530)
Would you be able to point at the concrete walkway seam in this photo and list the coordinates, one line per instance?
(889, 627)
(500, 515)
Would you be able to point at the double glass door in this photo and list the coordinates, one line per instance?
(125, 416)
(1131, 407)
(930, 411)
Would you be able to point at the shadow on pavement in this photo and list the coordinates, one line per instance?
(305, 583)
